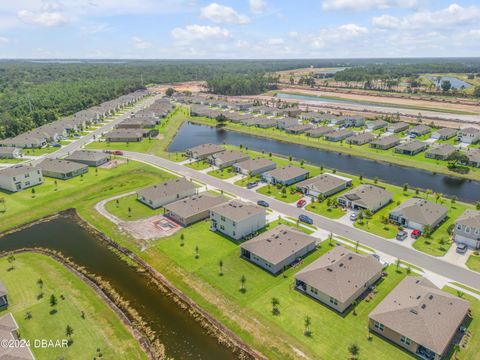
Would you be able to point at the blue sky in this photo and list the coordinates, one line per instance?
(238, 29)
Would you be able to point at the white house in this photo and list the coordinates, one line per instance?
(19, 177)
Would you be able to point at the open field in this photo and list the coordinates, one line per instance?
(99, 334)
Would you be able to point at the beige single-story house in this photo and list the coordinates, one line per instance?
(338, 135)
(88, 157)
(419, 130)
(420, 318)
(61, 169)
(203, 151)
(444, 133)
(469, 135)
(278, 248)
(286, 175)
(193, 208)
(411, 147)
(385, 142)
(360, 139)
(319, 131)
(323, 185)
(126, 135)
(440, 152)
(339, 277)
(416, 213)
(397, 127)
(254, 166)
(227, 158)
(161, 194)
(365, 197)
(376, 124)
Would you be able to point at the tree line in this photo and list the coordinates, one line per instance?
(252, 84)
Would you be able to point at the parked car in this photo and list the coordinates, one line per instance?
(76, 135)
(416, 234)
(462, 248)
(401, 235)
(262, 203)
(301, 203)
(56, 145)
(252, 184)
(353, 216)
(412, 136)
(117, 152)
(305, 219)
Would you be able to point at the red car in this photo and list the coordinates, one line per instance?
(117, 152)
(416, 234)
(301, 203)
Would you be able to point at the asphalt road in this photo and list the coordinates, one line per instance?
(389, 247)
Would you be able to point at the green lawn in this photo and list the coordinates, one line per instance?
(290, 195)
(12, 161)
(138, 209)
(473, 262)
(332, 212)
(38, 152)
(99, 329)
(245, 180)
(144, 146)
(199, 165)
(23, 206)
(225, 173)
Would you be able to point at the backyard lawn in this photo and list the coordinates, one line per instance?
(225, 173)
(38, 152)
(286, 194)
(245, 180)
(99, 334)
(473, 262)
(199, 165)
(138, 210)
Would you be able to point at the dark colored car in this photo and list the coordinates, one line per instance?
(462, 248)
(252, 184)
(262, 203)
(305, 219)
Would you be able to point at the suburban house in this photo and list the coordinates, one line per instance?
(287, 122)
(444, 133)
(278, 248)
(315, 117)
(324, 185)
(473, 156)
(19, 177)
(237, 219)
(9, 335)
(27, 141)
(440, 152)
(360, 139)
(10, 152)
(467, 229)
(469, 135)
(398, 127)
(242, 106)
(319, 131)
(339, 277)
(61, 169)
(416, 213)
(337, 120)
(227, 158)
(264, 110)
(204, 151)
(411, 147)
(264, 123)
(420, 130)
(138, 123)
(420, 318)
(298, 129)
(193, 208)
(3, 297)
(377, 124)
(254, 166)
(161, 194)
(339, 135)
(365, 197)
(354, 121)
(88, 157)
(126, 135)
(385, 142)
(286, 175)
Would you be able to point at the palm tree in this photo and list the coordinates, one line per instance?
(182, 238)
(243, 280)
(307, 322)
(220, 265)
(354, 350)
(275, 302)
(28, 315)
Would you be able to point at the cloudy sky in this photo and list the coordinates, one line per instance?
(238, 29)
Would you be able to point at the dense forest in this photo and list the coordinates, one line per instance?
(238, 84)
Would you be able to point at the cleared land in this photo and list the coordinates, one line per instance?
(100, 333)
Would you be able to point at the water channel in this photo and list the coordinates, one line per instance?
(191, 134)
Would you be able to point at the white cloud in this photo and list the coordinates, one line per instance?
(4, 40)
(191, 33)
(49, 14)
(352, 30)
(366, 4)
(222, 14)
(139, 43)
(257, 6)
(452, 15)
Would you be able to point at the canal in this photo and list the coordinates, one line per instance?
(191, 134)
(182, 336)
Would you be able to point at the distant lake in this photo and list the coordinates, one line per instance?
(456, 82)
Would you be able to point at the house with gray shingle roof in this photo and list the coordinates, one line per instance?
(323, 185)
(385, 142)
(339, 277)
(444, 133)
(416, 213)
(10, 152)
(203, 151)
(237, 219)
(419, 130)
(126, 135)
(61, 169)
(298, 129)
(286, 175)
(88, 157)
(227, 158)
(364, 197)
(467, 229)
(411, 147)
(420, 318)
(255, 166)
(19, 177)
(473, 156)
(193, 208)
(278, 248)
(398, 127)
(469, 135)
(161, 194)
(319, 131)
(377, 124)
(9, 335)
(440, 152)
(338, 135)
(360, 139)
(287, 122)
